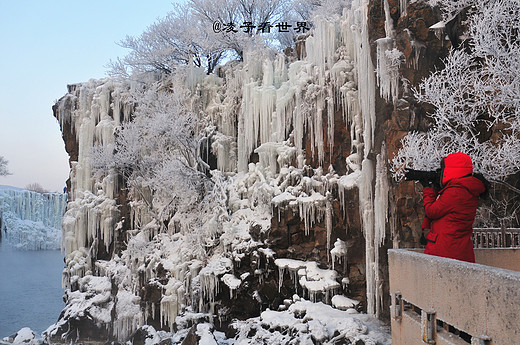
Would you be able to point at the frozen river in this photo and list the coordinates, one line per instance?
(30, 289)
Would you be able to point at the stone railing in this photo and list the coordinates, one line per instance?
(496, 238)
(444, 301)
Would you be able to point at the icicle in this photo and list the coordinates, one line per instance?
(94, 109)
(224, 147)
(439, 29)
(292, 265)
(316, 128)
(348, 182)
(366, 78)
(381, 197)
(366, 209)
(328, 222)
(321, 47)
(403, 5)
(258, 118)
(311, 209)
(344, 282)
(318, 281)
(209, 282)
(169, 310)
(389, 27)
(362, 135)
(330, 123)
(380, 219)
(388, 62)
(281, 271)
(194, 75)
(129, 315)
(417, 48)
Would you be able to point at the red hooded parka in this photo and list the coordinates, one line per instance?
(450, 212)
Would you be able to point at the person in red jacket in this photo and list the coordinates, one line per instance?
(450, 212)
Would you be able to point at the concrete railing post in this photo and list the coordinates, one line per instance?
(397, 305)
(429, 326)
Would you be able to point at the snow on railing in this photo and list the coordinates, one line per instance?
(496, 237)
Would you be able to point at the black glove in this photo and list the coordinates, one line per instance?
(423, 240)
(426, 183)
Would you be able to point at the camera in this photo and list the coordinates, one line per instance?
(426, 178)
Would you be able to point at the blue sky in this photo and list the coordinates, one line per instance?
(45, 45)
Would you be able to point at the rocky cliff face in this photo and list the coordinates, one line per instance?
(340, 210)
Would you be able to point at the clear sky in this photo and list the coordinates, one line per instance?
(45, 45)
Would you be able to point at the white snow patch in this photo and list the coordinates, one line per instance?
(344, 303)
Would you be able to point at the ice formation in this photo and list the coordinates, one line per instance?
(91, 111)
(313, 280)
(388, 62)
(266, 106)
(403, 4)
(339, 252)
(389, 59)
(31, 220)
(380, 220)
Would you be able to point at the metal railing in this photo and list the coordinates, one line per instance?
(496, 238)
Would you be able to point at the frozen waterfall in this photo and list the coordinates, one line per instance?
(30, 220)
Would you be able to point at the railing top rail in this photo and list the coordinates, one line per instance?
(496, 229)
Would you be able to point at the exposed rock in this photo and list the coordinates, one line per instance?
(191, 338)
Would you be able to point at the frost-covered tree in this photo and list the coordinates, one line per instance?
(36, 187)
(206, 32)
(179, 38)
(476, 96)
(3, 167)
(157, 152)
(307, 9)
(243, 21)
